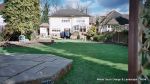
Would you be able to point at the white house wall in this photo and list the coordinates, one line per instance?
(43, 32)
(76, 20)
(2, 23)
(56, 23)
(105, 28)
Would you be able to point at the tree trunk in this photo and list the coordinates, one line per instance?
(118, 37)
(133, 42)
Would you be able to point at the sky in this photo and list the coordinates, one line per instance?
(97, 7)
(1, 1)
(100, 7)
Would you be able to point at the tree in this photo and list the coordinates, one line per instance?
(81, 8)
(21, 16)
(84, 9)
(48, 7)
(91, 32)
(117, 27)
(44, 18)
(77, 5)
(144, 40)
(97, 22)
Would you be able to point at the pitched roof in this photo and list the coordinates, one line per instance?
(114, 17)
(92, 19)
(69, 13)
(44, 25)
(113, 21)
(126, 16)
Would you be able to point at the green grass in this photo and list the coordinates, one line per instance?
(90, 60)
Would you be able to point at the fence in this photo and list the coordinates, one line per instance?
(119, 37)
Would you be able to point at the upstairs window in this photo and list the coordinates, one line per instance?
(65, 20)
(80, 20)
(55, 30)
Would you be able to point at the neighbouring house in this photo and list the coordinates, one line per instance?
(65, 22)
(113, 18)
(44, 30)
(2, 23)
(92, 21)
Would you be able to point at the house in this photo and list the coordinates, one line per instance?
(65, 22)
(92, 21)
(113, 18)
(2, 23)
(44, 30)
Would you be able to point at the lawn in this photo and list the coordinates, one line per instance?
(90, 60)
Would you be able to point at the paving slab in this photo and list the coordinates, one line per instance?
(13, 70)
(45, 59)
(25, 56)
(3, 79)
(32, 68)
(6, 58)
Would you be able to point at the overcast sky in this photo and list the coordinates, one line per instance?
(98, 7)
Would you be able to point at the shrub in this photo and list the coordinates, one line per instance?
(88, 37)
(14, 36)
(31, 35)
(99, 38)
(91, 32)
(78, 36)
(109, 36)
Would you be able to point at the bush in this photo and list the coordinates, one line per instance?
(78, 36)
(99, 38)
(91, 32)
(1, 37)
(14, 36)
(31, 35)
(88, 37)
(109, 36)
